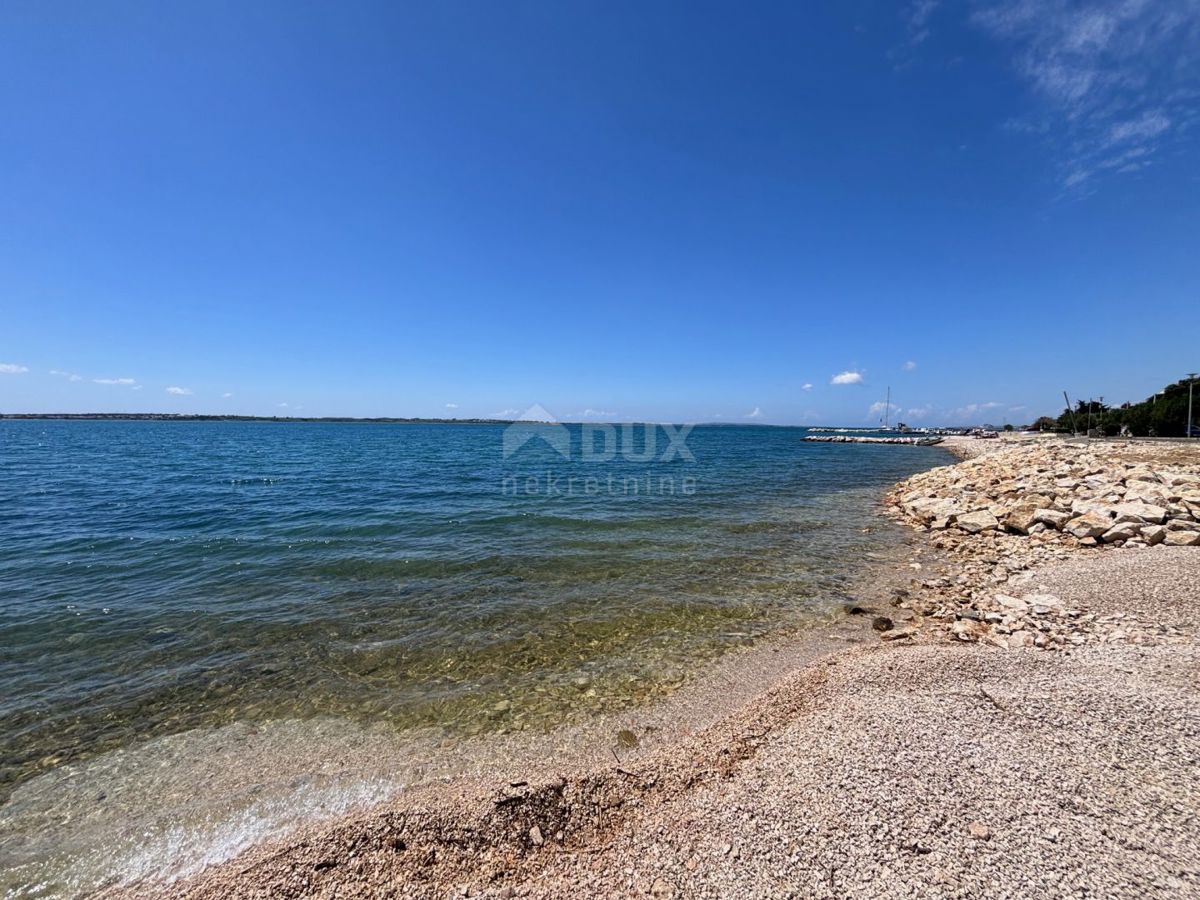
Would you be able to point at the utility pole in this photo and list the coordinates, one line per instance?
(1071, 413)
(1191, 385)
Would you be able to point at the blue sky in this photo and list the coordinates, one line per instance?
(747, 212)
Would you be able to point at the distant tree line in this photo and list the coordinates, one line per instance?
(1163, 414)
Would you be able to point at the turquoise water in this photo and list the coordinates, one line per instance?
(157, 577)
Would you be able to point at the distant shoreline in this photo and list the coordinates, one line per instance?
(381, 420)
(200, 417)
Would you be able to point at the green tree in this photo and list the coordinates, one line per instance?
(1164, 414)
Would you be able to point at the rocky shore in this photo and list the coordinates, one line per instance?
(1026, 504)
(1023, 721)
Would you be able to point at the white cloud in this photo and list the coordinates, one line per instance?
(124, 382)
(909, 366)
(597, 414)
(506, 414)
(848, 377)
(755, 413)
(226, 395)
(283, 406)
(918, 19)
(179, 391)
(918, 412)
(451, 406)
(12, 369)
(1149, 125)
(806, 387)
(1111, 76)
(972, 411)
(70, 376)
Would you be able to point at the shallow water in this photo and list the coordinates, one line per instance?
(163, 577)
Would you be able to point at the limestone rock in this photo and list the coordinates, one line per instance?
(978, 521)
(1014, 604)
(1083, 507)
(1054, 518)
(929, 509)
(1153, 534)
(1088, 525)
(1137, 511)
(1123, 531)
(968, 629)
(1021, 519)
(1020, 639)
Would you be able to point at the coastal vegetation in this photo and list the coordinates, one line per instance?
(1164, 414)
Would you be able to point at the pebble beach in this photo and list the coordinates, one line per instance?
(1016, 714)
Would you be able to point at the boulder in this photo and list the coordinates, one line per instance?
(1140, 474)
(1147, 492)
(1043, 600)
(1021, 519)
(978, 521)
(1122, 531)
(1180, 513)
(1020, 639)
(1088, 525)
(1013, 604)
(1052, 517)
(1081, 507)
(969, 629)
(1183, 538)
(1136, 511)
(1153, 534)
(927, 509)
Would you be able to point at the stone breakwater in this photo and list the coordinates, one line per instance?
(1024, 504)
(856, 439)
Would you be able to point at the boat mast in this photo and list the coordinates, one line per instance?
(887, 409)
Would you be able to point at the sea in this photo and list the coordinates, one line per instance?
(169, 586)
